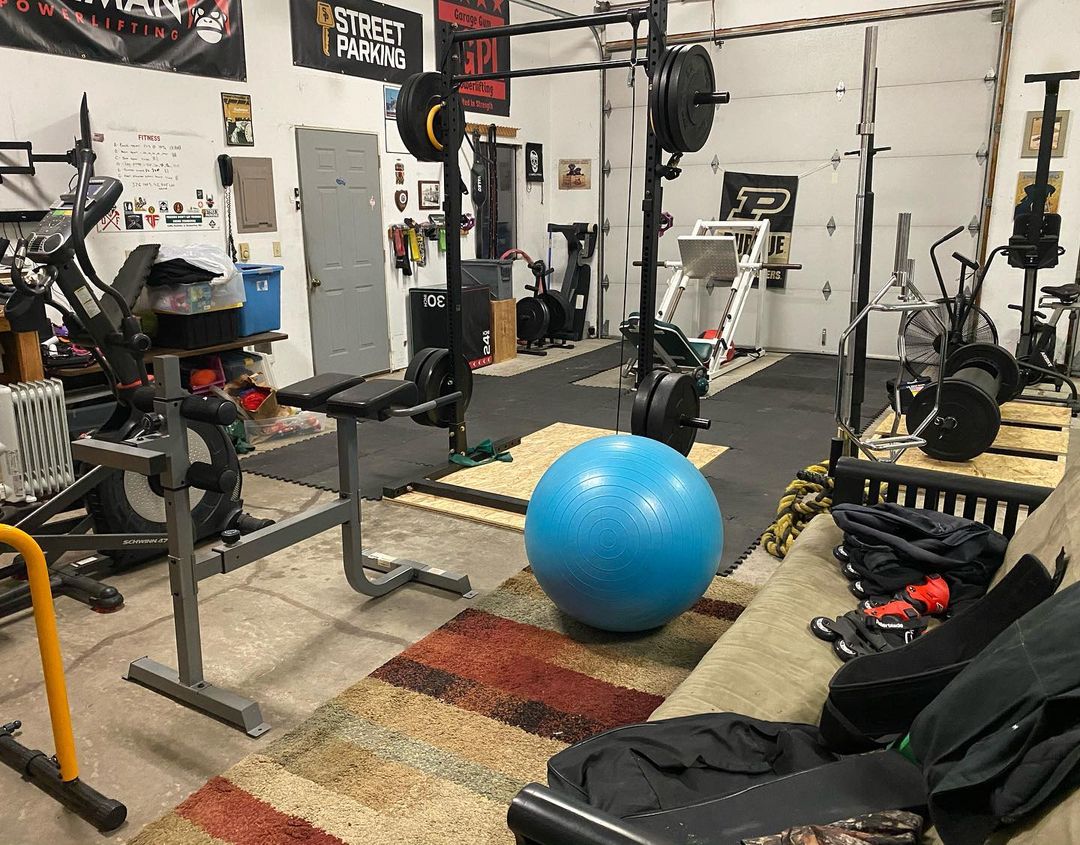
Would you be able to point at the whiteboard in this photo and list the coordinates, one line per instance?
(169, 182)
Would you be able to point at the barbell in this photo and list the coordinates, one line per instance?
(978, 378)
(682, 105)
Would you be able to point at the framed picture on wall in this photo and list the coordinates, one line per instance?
(575, 174)
(1033, 130)
(236, 113)
(430, 193)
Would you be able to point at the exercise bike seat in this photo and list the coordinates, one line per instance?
(312, 393)
(373, 400)
(1066, 293)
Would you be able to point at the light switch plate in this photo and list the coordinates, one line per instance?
(277, 249)
(245, 252)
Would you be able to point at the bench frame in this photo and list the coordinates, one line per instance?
(187, 683)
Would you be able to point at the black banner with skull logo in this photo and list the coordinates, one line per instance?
(199, 37)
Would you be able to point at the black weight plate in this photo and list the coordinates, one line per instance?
(435, 378)
(639, 414)
(671, 398)
(560, 311)
(690, 123)
(420, 93)
(966, 425)
(996, 360)
(417, 361)
(658, 101)
(533, 319)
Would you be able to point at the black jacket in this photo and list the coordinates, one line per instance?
(1004, 737)
(891, 546)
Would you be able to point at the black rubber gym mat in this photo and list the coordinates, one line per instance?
(775, 422)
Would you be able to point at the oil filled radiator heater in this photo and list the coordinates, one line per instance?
(35, 450)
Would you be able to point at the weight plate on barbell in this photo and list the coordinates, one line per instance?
(684, 124)
(533, 319)
(658, 102)
(966, 425)
(994, 359)
(664, 401)
(419, 94)
(434, 379)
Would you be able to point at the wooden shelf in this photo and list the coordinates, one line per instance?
(265, 338)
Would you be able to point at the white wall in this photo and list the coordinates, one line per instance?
(284, 97)
(1046, 38)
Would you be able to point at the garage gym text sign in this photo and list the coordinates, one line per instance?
(485, 55)
(200, 37)
(757, 196)
(357, 37)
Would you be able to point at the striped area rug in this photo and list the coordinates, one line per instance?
(430, 748)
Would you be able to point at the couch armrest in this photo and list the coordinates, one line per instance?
(537, 816)
(983, 498)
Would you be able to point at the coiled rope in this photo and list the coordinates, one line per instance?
(809, 494)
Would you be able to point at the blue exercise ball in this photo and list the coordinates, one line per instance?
(623, 533)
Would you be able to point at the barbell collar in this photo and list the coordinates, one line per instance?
(718, 98)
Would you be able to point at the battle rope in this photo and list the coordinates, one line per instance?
(809, 494)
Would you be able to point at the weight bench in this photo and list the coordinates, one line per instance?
(347, 399)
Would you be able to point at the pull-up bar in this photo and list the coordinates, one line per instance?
(631, 16)
(521, 73)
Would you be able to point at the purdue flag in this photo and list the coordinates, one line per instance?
(756, 196)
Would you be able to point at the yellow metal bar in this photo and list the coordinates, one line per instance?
(52, 664)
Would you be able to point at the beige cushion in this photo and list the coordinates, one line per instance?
(768, 665)
(1054, 524)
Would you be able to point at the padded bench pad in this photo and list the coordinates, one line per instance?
(311, 393)
(373, 399)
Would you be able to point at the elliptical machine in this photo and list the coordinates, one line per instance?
(124, 522)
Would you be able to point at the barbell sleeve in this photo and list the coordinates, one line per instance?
(696, 422)
(717, 98)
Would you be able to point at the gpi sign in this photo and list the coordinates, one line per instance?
(485, 55)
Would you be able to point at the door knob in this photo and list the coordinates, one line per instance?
(315, 283)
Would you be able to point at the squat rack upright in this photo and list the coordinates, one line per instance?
(681, 102)
(450, 39)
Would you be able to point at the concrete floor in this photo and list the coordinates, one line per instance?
(286, 631)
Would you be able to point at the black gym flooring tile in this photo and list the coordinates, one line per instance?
(775, 422)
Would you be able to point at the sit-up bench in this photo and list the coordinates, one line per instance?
(347, 399)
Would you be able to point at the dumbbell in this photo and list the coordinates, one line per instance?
(978, 378)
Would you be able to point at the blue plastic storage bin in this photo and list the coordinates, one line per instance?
(262, 309)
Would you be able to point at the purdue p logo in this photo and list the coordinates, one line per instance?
(756, 203)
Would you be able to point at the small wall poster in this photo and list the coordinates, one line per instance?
(1033, 132)
(1026, 178)
(575, 174)
(236, 112)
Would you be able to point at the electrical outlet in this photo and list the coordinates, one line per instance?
(277, 249)
(245, 252)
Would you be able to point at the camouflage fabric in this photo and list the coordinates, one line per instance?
(894, 827)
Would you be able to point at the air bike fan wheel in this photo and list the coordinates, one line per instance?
(922, 336)
(130, 503)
